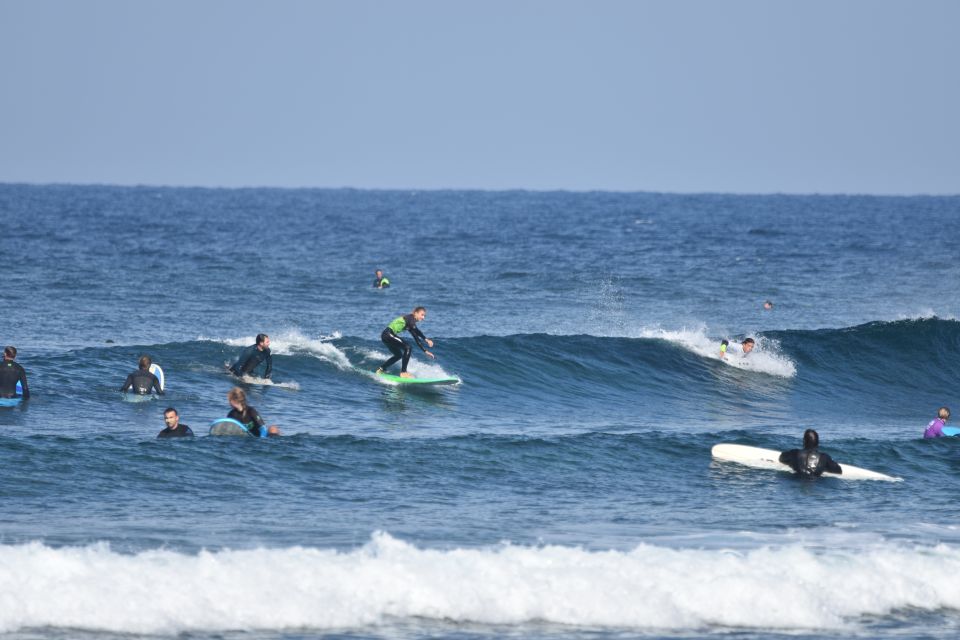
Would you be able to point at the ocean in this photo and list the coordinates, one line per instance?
(564, 490)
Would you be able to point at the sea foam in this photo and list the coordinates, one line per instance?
(647, 588)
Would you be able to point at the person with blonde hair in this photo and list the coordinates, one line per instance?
(935, 428)
(243, 413)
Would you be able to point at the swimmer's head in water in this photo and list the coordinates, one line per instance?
(747, 345)
(811, 439)
(768, 305)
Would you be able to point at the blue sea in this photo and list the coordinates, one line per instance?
(564, 490)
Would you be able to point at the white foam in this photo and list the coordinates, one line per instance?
(650, 587)
(294, 342)
(766, 356)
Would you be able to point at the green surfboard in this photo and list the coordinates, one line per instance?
(389, 377)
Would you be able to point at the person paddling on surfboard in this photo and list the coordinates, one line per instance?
(141, 380)
(251, 357)
(10, 374)
(244, 413)
(935, 428)
(742, 349)
(810, 461)
(399, 347)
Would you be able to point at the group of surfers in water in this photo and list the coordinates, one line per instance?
(808, 461)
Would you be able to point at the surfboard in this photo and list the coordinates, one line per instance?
(769, 459)
(951, 431)
(157, 371)
(228, 427)
(14, 401)
(389, 377)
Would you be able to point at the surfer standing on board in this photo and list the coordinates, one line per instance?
(733, 348)
(809, 461)
(399, 347)
(11, 373)
(251, 357)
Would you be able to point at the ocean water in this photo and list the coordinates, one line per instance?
(564, 490)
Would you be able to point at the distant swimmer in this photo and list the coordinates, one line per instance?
(935, 428)
(251, 357)
(381, 282)
(742, 349)
(141, 380)
(400, 347)
(10, 374)
(244, 413)
(810, 461)
(768, 305)
(174, 428)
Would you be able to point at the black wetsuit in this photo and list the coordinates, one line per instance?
(809, 462)
(250, 419)
(182, 431)
(142, 381)
(250, 358)
(381, 283)
(10, 374)
(399, 347)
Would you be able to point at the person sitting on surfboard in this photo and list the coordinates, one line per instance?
(741, 349)
(381, 282)
(11, 373)
(935, 428)
(174, 429)
(244, 413)
(400, 347)
(141, 380)
(809, 461)
(251, 357)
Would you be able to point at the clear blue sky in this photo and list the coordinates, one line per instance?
(747, 97)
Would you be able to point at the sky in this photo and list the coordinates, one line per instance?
(851, 96)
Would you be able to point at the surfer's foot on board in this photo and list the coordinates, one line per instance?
(404, 374)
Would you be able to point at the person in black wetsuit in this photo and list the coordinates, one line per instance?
(174, 428)
(244, 413)
(251, 357)
(381, 282)
(810, 461)
(141, 380)
(400, 347)
(10, 374)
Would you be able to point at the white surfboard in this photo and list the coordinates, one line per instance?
(157, 371)
(769, 459)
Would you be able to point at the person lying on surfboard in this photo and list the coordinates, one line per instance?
(935, 428)
(141, 380)
(251, 357)
(732, 348)
(399, 347)
(810, 461)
